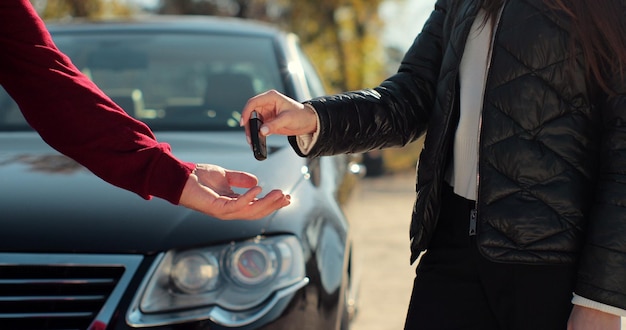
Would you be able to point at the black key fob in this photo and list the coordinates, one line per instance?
(259, 148)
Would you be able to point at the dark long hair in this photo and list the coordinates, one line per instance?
(600, 30)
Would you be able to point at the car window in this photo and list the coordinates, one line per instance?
(171, 81)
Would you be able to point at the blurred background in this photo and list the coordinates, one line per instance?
(354, 44)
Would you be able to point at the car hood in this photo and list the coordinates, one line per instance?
(49, 203)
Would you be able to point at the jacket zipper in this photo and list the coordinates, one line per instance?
(473, 221)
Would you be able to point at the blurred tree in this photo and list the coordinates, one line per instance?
(235, 8)
(187, 7)
(92, 9)
(340, 36)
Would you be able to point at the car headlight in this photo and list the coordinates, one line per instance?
(194, 273)
(252, 264)
(234, 278)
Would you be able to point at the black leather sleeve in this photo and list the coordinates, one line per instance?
(602, 270)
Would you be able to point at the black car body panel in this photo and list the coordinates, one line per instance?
(74, 198)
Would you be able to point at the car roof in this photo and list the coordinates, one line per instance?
(181, 23)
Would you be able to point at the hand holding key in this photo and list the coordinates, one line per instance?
(281, 115)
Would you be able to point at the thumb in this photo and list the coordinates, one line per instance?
(286, 123)
(241, 179)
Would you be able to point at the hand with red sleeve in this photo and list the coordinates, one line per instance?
(77, 119)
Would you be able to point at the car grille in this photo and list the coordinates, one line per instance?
(61, 291)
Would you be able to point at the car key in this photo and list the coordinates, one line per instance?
(259, 147)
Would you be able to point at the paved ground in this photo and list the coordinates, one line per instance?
(380, 228)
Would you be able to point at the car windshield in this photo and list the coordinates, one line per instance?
(170, 81)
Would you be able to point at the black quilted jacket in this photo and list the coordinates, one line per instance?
(552, 155)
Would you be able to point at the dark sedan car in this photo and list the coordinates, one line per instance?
(76, 253)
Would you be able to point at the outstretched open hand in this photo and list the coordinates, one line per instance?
(209, 190)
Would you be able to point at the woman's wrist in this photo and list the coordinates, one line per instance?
(307, 141)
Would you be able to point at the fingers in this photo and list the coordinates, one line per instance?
(281, 124)
(264, 103)
(248, 207)
(208, 190)
(280, 114)
(241, 179)
(238, 207)
(267, 205)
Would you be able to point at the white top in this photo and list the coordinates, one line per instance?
(472, 76)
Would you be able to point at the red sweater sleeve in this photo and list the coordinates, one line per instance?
(75, 117)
